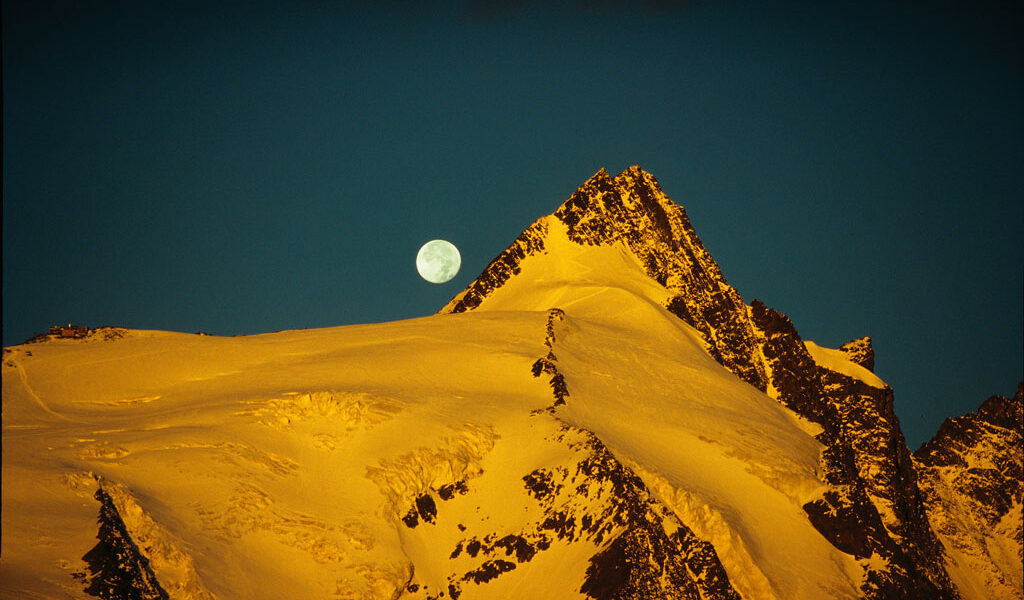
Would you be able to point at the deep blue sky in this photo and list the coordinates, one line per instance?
(243, 167)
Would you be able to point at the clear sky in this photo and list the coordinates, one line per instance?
(244, 167)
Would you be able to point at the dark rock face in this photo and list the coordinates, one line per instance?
(865, 460)
(860, 352)
(866, 463)
(972, 480)
(644, 560)
(866, 457)
(958, 437)
(117, 569)
(501, 269)
(547, 364)
(645, 552)
(873, 506)
(631, 208)
(447, 492)
(425, 509)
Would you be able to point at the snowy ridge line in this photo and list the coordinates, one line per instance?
(117, 568)
(843, 361)
(710, 525)
(688, 564)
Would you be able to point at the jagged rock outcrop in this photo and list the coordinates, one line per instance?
(860, 352)
(501, 269)
(642, 550)
(972, 480)
(117, 569)
(873, 508)
(650, 554)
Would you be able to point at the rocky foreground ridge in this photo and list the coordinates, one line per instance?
(876, 505)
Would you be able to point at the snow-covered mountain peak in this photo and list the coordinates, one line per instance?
(611, 230)
(599, 415)
(619, 248)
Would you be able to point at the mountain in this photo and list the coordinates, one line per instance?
(598, 415)
(872, 507)
(971, 475)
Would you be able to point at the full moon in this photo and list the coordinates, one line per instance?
(438, 261)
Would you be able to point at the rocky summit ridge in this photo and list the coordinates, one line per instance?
(875, 506)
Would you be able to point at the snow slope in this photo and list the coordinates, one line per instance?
(253, 454)
(288, 465)
(593, 427)
(838, 361)
(621, 309)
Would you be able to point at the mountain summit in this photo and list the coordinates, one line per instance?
(873, 507)
(599, 415)
(632, 215)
